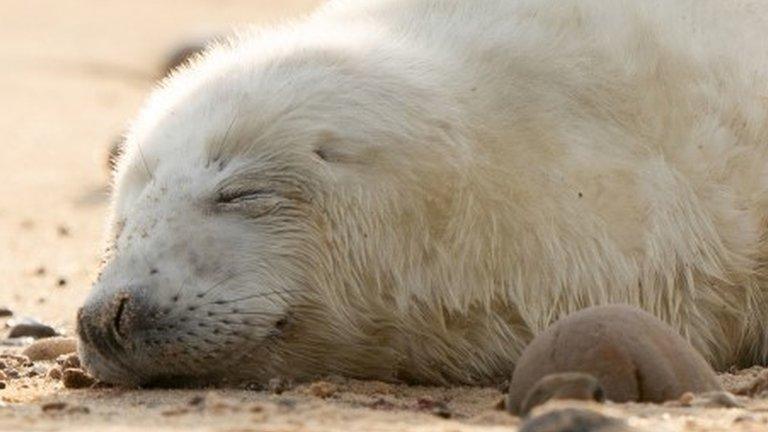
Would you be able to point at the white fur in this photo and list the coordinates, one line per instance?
(490, 166)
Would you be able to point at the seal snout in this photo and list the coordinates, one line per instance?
(106, 325)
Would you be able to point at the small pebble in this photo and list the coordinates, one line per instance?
(196, 400)
(574, 420)
(29, 327)
(254, 387)
(2, 385)
(68, 361)
(17, 359)
(278, 385)
(53, 406)
(62, 282)
(381, 404)
(5, 312)
(745, 419)
(686, 399)
(55, 373)
(50, 348)
(63, 231)
(76, 379)
(79, 410)
(438, 408)
(36, 371)
(174, 412)
(323, 389)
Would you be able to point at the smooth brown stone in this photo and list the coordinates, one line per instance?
(633, 355)
(76, 379)
(50, 348)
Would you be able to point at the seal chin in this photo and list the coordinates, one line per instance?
(106, 370)
(109, 371)
(103, 355)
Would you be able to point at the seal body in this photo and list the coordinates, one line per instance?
(411, 190)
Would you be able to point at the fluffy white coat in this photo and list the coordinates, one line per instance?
(427, 184)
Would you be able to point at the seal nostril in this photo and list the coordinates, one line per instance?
(118, 317)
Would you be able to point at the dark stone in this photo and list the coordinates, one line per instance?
(28, 327)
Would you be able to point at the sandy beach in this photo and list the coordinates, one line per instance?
(72, 74)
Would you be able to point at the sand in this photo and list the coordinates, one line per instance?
(72, 72)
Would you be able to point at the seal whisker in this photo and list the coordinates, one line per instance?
(181, 286)
(216, 285)
(249, 297)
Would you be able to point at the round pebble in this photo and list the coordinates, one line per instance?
(55, 373)
(50, 348)
(323, 389)
(5, 312)
(68, 361)
(633, 355)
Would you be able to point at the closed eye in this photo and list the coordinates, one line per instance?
(241, 196)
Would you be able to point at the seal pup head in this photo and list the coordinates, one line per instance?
(255, 188)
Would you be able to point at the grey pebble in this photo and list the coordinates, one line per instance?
(574, 420)
(30, 327)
